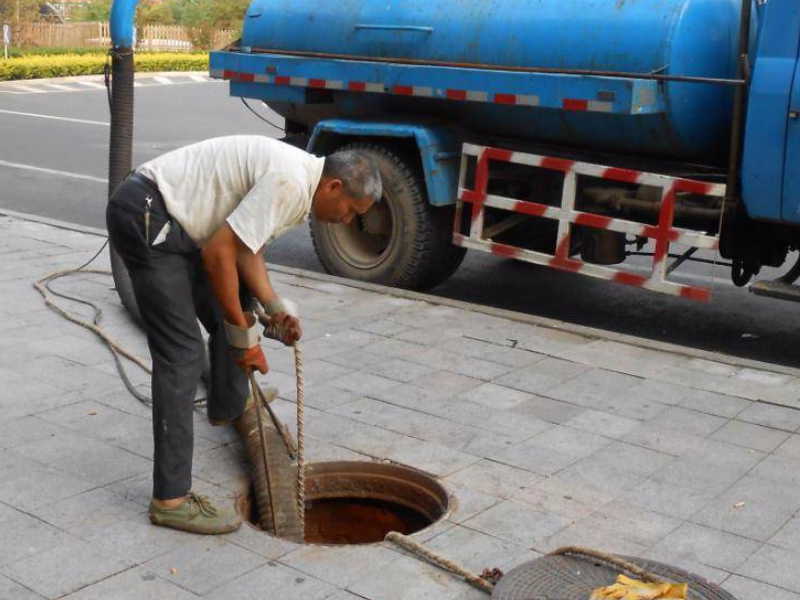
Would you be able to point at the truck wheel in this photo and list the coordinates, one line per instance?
(402, 241)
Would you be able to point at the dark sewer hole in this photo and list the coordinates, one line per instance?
(359, 503)
(355, 520)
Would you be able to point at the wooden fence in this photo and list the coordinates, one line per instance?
(89, 35)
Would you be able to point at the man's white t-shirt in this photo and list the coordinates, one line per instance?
(260, 186)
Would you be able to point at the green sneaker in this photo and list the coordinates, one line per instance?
(196, 515)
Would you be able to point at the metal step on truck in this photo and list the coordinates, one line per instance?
(577, 134)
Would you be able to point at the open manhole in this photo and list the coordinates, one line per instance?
(349, 502)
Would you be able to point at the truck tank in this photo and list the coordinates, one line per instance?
(677, 37)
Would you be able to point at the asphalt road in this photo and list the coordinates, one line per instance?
(39, 158)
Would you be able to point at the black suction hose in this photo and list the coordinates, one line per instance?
(120, 157)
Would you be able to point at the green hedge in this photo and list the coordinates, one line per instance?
(38, 67)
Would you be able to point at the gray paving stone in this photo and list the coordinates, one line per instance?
(465, 503)
(383, 327)
(135, 539)
(749, 589)
(445, 360)
(752, 507)
(276, 580)
(622, 358)
(93, 419)
(592, 388)
(259, 542)
(430, 335)
(447, 383)
(363, 383)
(774, 565)
(410, 579)
(65, 568)
(634, 523)
(495, 396)
(24, 430)
(688, 562)
(517, 523)
(204, 563)
(779, 469)
(632, 458)
(594, 421)
(555, 496)
(477, 551)
(670, 394)
(38, 396)
(788, 536)
(493, 478)
(790, 448)
(668, 498)
(133, 584)
(715, 404)
(10, 590)
(704, 545)
(688, 421)
(609, 478)
(542, 376)
(537, 459)
(399, 369)
(24, 536)
(430, 457)
(338, 565)
(27, 485)
(489, 350)
(777, 417)
(395, 348)
(586, 533)
(548, 341)
(87, 459)
(95, 508)
(569, 441)
(546, 409)
(748, 435)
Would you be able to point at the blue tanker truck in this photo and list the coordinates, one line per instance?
(566, 133)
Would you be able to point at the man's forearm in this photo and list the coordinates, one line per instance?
(221, 268)
(254, 274)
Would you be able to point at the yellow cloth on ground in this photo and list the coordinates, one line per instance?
(632, 589)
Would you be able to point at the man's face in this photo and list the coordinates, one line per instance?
(332, 204)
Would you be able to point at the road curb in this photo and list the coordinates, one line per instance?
(589, 332)
(98, 77)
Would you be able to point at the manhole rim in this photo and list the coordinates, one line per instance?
(243, 496)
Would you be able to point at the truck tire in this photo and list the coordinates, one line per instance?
(402, 241)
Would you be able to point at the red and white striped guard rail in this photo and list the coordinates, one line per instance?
(663, 233)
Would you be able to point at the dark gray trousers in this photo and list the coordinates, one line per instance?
(173, 291)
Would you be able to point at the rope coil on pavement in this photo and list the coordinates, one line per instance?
(440, 561)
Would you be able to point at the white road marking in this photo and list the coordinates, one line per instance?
(54, 117)
(27, 89)
(12, 165)
(200, 78)
(59, 87)
(163, 80)
(92, 84)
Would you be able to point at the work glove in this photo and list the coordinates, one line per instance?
(245, 343)
(626, 588)
(287, 327)
(281, 321)
(252, 359)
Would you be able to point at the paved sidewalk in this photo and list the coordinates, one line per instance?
(544, 438)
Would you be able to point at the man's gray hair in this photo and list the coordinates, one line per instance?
(357, 170)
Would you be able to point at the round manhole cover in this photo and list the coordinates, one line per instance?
(351, 502)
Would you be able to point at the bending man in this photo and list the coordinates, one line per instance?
(191, 227)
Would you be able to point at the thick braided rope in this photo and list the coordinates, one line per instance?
(40, 286)
(610, 559)
(301, 466)
(440, 561)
